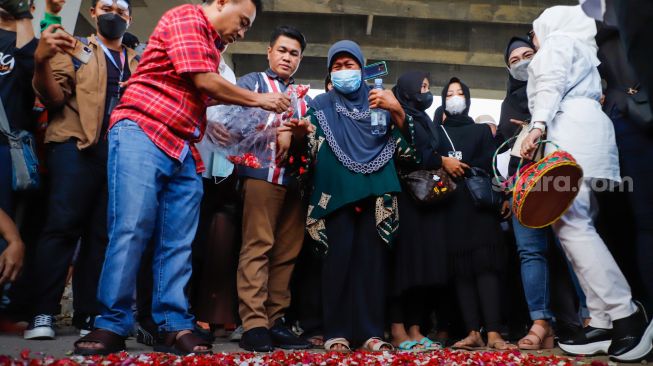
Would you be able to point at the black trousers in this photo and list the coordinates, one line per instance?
(479, 299)
(353, 276)
(77, 209)
(410, 308)
(306, 287)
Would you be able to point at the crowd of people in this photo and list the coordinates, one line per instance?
(167, 240)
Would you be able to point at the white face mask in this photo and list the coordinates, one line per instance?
(519, 70)
(456, 104)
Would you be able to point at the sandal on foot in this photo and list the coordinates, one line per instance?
(317, 341)
(183, 345)
(328, 345)
(110, 342)
(468, 344)
(376, 344)
(410, 346)
(501, 345)
(429, 344)
(537, 339)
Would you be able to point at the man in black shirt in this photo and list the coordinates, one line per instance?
(17, 45)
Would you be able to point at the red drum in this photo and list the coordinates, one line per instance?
(545, 190)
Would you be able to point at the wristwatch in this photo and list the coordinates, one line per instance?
(537, 125)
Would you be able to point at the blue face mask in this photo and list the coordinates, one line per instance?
(346, 81)
(222, 167)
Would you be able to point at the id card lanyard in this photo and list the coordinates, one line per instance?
(123, 57)
(455, 153)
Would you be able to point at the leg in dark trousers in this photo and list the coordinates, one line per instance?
(306, 300)
(636, 153)
(469, 302)
(413, 307)
(89, 261)
(77, 180)
(354, 276)
(489, 291)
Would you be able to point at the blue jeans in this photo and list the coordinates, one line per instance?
(533, 246)
(151, 197)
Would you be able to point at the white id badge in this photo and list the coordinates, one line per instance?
(458, 155)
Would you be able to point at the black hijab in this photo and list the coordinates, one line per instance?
(408, 92)
(515, 105)
(462, 118)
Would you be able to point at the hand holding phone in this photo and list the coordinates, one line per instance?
(56, 40)
(80, 51)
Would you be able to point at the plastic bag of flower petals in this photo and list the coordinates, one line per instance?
(252, 131)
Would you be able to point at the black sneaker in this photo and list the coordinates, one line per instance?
(87, 326)
(284, 338)
(589, 341)
(257, 340)
(633, 337)
(147, 333)
(40, 328)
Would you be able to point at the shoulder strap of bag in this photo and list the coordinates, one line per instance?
(4, 121)
(448, 138)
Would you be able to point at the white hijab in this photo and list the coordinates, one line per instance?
(568, 21)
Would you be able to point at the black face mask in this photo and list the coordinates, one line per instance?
(424, 101)
(111, 25)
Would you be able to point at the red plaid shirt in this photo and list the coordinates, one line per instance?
(161, 96)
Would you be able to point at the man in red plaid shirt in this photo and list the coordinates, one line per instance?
(154, 183)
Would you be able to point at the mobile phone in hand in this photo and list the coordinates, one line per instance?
(81, 52)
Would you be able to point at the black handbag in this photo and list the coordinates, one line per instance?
(480, 187)
(638, 107)
(428, 187)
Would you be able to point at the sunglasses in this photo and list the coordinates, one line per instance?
(122, 4)
(531, 34)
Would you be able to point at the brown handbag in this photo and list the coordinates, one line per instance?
(429, 187)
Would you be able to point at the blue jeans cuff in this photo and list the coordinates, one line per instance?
(176, 327)
(99, 324)
(541, 315)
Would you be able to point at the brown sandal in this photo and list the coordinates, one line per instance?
(468, 344)
(183, 345)
(538, 338)
(110, 341)
(501, 345)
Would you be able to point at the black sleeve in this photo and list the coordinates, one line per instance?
(431, 160)
(25, 59)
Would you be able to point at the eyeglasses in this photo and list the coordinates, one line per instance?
(122, 4)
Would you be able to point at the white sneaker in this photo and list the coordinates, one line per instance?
(40, 328)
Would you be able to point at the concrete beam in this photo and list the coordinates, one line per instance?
(459, 10)
(389, 54)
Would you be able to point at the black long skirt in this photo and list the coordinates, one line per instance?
(419, 257)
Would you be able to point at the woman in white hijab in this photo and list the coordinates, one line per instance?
(563, 90)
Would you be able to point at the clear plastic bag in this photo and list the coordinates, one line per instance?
(253, 131)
